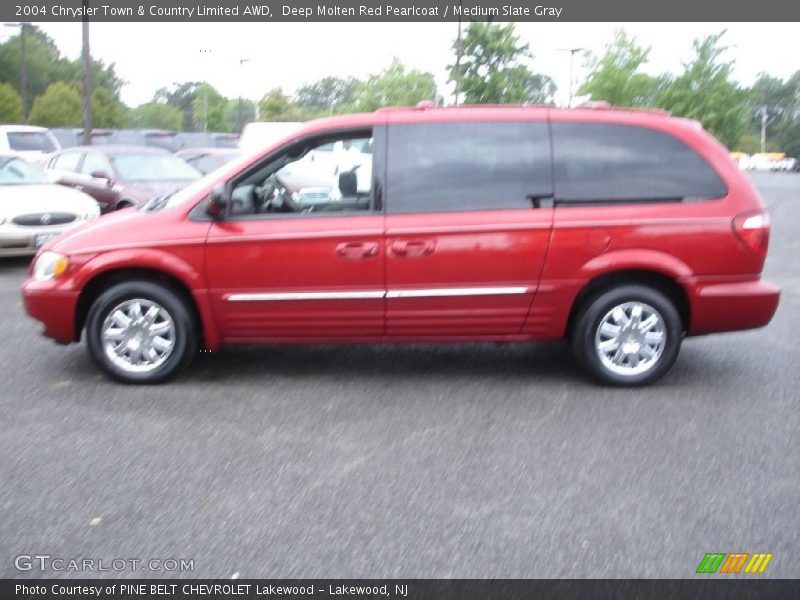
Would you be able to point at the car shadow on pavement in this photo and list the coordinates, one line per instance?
(382, 361)
(15, 262)
(544, 362)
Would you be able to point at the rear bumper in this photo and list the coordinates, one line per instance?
(731, 306)
(54, 308)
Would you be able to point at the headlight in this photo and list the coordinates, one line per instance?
(49, 265)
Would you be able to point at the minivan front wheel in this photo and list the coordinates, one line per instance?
(140, 332)
(627, 336)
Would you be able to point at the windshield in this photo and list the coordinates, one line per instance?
(153, 167)
(14, 171)
(234, 166)
(26, 141)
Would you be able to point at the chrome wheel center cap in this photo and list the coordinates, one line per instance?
(630, 338)
(138, 335)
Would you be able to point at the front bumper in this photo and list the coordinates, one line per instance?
(54, 308)
(731, 306)
(21, 241)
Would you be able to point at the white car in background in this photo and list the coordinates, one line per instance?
(261, 134)
(34, 144)
(33, 210)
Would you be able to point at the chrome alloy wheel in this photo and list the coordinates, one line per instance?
(630, 338)
(138, 335)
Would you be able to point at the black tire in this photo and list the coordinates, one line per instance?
(592, 314)
(123, 204)
(184, 336)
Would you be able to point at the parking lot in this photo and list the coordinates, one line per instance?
(409, 461)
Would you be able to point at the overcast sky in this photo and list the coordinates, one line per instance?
(153, 55)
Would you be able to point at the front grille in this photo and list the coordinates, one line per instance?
(44, 219)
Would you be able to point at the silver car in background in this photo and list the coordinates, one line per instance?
(33, 210)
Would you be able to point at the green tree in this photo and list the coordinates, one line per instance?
(10, 104)
(156, 115)
(182, 97)
(44, 62)
(107, 111)
(781, 99)
(705, 92)
(327, 95)
(209, 108)
(100, 75)
(238, 115)
(59, 106)
(788, 138)
(616, 77)
(46, 66)
(749, 142)
(277, 106)
(394, 86)
(491, 71)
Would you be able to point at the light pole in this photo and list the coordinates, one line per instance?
(87, 85)
(458, 55)
(242, 62)
(23, 68)
(572, 52)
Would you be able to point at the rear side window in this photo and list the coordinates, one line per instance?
(441, 167)
(597, 162)
(94, 163)
(23, 141)
(66, 162)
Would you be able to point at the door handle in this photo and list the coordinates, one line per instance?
(413, 248)
(354, 250)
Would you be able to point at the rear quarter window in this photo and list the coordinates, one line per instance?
(598, 162)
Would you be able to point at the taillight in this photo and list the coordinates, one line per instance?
(752, 229)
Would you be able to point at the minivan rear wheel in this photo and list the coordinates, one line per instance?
(140, 332)
(627, 336)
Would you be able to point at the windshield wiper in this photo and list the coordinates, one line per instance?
(158, 202)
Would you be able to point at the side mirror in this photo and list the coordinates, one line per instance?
(101, 175)
(218, 201)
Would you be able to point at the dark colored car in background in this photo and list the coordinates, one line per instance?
(206, 160)
(120, 176)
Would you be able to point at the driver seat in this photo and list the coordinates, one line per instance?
(348, 184)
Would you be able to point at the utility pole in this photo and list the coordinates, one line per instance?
(23, 71)
(458, 55)
(23, 67)
(764, 128)
(242, 61)
(87, 86)
(572, 52)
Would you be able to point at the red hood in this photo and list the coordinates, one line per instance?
(143, 191)
(119, 229)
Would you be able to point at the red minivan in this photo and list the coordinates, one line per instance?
(621, 231)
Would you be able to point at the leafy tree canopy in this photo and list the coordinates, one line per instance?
(491, 71)
(394, 86)
(59, 106)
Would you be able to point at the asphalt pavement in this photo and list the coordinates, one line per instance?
(419, 461)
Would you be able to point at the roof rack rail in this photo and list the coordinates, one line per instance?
(428, 104)
(602, 105)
